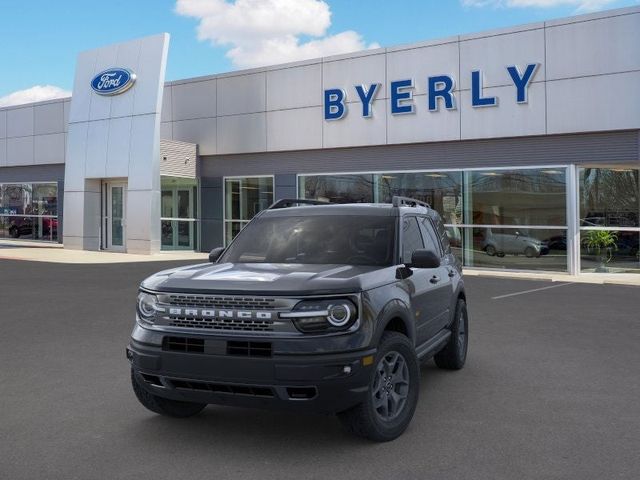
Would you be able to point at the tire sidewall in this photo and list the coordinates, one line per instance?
(461, 309)
(388, 430)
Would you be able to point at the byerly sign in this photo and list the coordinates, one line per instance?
(113, 81)
(440, 90)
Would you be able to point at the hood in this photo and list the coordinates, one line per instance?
(270, 279)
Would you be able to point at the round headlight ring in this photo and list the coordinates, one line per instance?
(146, 305)
(340, 314)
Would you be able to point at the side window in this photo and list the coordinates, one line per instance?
(411, 238)
(430, 237)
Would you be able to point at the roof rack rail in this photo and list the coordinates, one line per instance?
(398, 201)
(291, 202)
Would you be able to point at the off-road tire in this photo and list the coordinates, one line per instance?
(164, 406)
(363, 420)
(454, 354)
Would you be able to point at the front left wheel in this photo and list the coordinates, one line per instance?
(164, 406)
(392, 395)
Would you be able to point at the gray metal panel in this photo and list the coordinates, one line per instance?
(285, 186)
(608, 147)
(211, 215)
(33, 173)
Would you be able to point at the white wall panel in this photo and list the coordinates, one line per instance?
(242, 133)
(166, 131)
(508, 119)
(242, 94)
(3, 124)
(128, 54)
(194, 100)
(421, 63)
(85, 68)
(573, 107)
(356, 130)
(106, 57)
(75, 158)
(492, 55)
(300, 128)
(49, 148)
(144, 153)
(3, 154)
(48, 118)
(201, 131)
(118, 147)
(423, 125)
(294, 87)
(20, 122)
(347, 73)
(150, 74)
(590, 48)
(19, 151)
(66, 108)
(97, 141)
(167, 108)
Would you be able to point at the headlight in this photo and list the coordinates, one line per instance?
(320, 316)
(147, 304)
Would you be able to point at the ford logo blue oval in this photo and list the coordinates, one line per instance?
(113, 81)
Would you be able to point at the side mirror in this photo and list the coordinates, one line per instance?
(423, 258)
(214, 255)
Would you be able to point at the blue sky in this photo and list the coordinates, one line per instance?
(39, 39)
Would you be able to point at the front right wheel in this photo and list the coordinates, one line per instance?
(392, 395)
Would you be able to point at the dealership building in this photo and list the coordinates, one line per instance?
(526, 140)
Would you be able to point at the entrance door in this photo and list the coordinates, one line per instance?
(115, 220)
(177, 219)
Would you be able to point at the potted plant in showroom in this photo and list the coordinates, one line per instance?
(603, 242)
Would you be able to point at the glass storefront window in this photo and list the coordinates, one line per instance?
(244, 198)
(441, 190)
(609, 197)
(338, 188)
(515, 249)
(516, 197)
(29, 211)
(609, 251)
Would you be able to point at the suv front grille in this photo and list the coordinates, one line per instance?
(213, 301)
(230, 324)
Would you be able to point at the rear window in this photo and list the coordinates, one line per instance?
(316, 239)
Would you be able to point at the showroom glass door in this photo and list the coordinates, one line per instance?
(178, 222)
(115, 220)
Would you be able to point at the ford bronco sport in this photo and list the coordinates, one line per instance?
(315, 307)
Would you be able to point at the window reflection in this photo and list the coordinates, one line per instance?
(338, 188)
(516, 197)
(29, 211)
(244, 198)
(609, 197)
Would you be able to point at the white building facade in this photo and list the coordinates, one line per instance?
(526, 140)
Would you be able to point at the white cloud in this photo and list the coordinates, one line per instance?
(265, 32)
(580, 5)
(36, 93)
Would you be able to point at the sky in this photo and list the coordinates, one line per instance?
(40, 39)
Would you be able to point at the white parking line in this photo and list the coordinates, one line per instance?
(531, 291)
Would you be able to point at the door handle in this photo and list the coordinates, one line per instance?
(435, 279)
(452, 273)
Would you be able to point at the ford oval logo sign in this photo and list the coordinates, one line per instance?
(113, 81)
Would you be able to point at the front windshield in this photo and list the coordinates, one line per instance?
(318, 239)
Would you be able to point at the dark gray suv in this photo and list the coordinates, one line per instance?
(313, 307)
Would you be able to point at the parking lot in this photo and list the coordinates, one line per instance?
(551, 391)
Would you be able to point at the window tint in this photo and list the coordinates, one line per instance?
(430, 237)
(316, 239)
(411, 238)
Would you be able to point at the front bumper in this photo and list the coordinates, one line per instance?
(321, 383)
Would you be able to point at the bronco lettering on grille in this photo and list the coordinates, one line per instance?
(209, 313)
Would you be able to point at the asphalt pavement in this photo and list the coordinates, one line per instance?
(551, 390)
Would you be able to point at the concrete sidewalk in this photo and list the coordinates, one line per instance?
(55, 253)
(597, 278)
